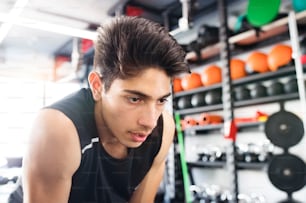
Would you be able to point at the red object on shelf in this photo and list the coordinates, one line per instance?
(260, 116)
(188, 122)
(303, 59)
(86, 44)
(208, 119)
(133, 11)
(230, 130)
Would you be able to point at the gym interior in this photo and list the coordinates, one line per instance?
(240, 114)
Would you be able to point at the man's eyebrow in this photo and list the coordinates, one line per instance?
(141, 94)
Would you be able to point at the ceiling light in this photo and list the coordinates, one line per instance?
(12, 15)
(50, 27)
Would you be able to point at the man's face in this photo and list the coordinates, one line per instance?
(130, 108)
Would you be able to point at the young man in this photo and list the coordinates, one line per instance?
(108, 143)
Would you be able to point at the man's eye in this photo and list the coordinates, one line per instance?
(134, 100)
(162, 101)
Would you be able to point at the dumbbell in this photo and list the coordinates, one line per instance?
(5, 180)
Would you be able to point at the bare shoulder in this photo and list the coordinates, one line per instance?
(53, 145)
(168, 135)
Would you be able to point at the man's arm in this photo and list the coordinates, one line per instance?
(148, 187)
(53, 155)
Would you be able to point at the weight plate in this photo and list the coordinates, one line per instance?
(284, 129)
(287, 172)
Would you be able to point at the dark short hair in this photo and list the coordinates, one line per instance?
(128, 45)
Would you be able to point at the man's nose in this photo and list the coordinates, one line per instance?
(149, 117)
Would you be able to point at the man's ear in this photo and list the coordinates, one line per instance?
(96, 85)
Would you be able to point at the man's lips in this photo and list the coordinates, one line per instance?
(138, 137)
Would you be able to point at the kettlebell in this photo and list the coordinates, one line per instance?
(184, 102)
(198, 99)
(213, 97)
(275, 88)
(258, 91)
(207, 35)
(291, 86)
(241, 93)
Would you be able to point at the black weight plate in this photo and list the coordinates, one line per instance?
(284, 129)
(287, 172)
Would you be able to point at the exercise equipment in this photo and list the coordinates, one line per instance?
(291, 86)
(191, 81)
(5, 180)
(207, 119)
(217, 194)
(284, 129)
(213, 97)
(177, 85)
(279, 56)
(185, 173)
(207, 35)
(257, 62)
(299, 5)
(258, 91)
(258, 117)
(275, 88)
(211, 75)
(287, 172)
(261, 12)
(242, 93)
(238, 69)
(198, 99)
(188, 122)
(184, 102)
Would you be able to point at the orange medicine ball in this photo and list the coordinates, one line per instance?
(279, 55)
(211, 75)
(177, 84)
(191, 81)
(237, 67)
(258, 62)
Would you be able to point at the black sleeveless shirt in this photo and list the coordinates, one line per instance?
(101, 178)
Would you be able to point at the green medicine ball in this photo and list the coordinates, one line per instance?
(261, 12)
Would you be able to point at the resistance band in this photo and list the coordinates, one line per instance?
(183, 159)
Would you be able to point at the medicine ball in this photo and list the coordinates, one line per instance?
(198, 99)
(299, 5)
(257, 62)
(211, 75)
(275, 88)
(258, 91)
(177, 85)
(291, 86)
(213, 97)
(184, 102)
(241, 93)
(261, 12)
(191, 81)
(280, 55)
(237, 67)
